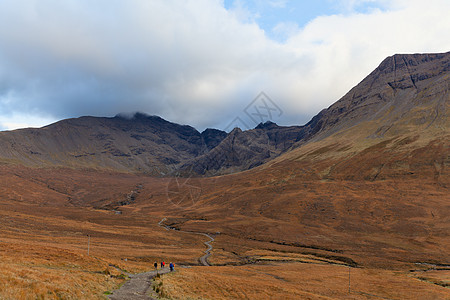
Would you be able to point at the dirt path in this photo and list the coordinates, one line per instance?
(138, 287)
(204, 259)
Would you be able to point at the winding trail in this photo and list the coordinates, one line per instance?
(204, 259)
(139, 285)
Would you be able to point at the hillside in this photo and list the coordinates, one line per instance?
(395, 123)
(146, 144)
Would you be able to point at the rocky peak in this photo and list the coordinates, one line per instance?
(267, 125)
(213, 137)
(392, 87)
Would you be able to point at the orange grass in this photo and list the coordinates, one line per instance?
(34, 271)
(295, 281)
(383, 226)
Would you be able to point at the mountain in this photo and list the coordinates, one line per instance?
(411, 87)
(404, 99)
(243, 150)
(394, 123)
(142, 143)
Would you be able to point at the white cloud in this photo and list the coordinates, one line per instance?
(351, 6)
(278, 3)
(286, 29)
(346, 48)
(241, 12)
(16, 121)
(193, 62)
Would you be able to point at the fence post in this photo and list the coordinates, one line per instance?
(89, 242)
(349, 279)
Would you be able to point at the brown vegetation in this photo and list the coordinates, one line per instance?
(295, 281)
(281, 214)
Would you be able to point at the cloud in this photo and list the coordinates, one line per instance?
(285, 30)
(193, 62)
(364, 6)
(278, 3)
(14, 121)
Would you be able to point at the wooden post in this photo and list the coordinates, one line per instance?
(89, 242)
(349, 279)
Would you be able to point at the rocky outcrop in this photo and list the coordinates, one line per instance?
(398, 85)
(243, 150)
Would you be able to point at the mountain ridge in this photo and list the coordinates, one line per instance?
(404, 93)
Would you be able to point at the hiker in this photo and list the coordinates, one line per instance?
(171, 267)
(156, 265)
(162, 265)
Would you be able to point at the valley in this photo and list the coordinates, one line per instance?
(266, 224)
(355, 204)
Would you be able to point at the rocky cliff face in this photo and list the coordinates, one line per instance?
(399, 85)
(243, 150)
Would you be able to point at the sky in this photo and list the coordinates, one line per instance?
(205, 63)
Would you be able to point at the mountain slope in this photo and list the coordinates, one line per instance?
(394, 123)
(404, 95)
(141, 144)
(402, 87)
(243, 150)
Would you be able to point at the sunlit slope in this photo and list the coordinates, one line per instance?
(395, 123)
